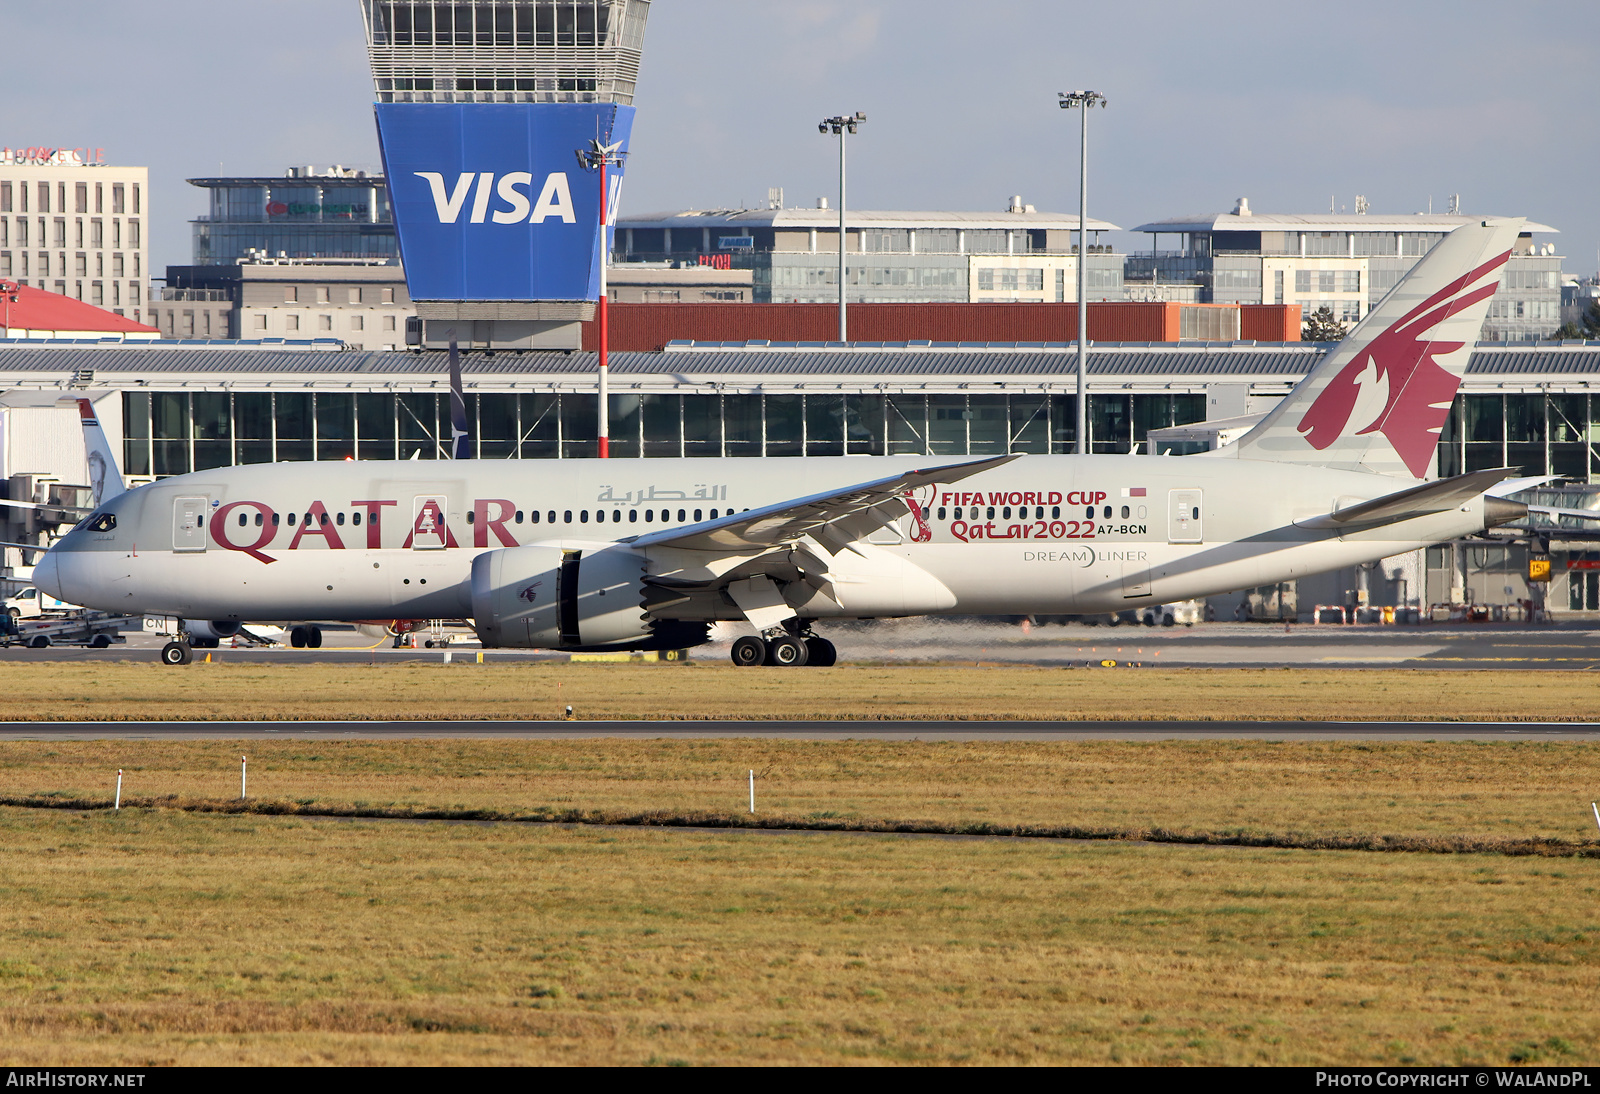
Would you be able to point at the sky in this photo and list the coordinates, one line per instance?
(1290, 105)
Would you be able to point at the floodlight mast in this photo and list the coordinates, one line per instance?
(839, 126)
(597, 157)
(1083, 100)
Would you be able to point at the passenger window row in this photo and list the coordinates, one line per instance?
(532, 517)
(975, 512)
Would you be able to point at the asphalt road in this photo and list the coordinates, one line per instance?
(900, 731)
(1217, 645)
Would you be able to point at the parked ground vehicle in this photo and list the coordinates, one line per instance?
(81, 627)
(30, 603)
(1183, 612)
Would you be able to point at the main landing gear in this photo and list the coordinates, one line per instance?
(307, 637)
(783, 650)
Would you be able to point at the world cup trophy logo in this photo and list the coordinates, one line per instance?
(918, 501)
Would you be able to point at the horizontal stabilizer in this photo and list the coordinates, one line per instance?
(1575, 514)
(1416, 501)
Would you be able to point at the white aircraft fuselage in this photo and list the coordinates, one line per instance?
(1040, 534)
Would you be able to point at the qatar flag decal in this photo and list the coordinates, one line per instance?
(1134, 492)
(1395, 386)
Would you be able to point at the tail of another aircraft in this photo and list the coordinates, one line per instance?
(460, 437)
(104, 478)
(1378, 401)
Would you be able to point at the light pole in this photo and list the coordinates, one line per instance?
(1068, 101)
(597, 157)
(839, 126)
(8, 297)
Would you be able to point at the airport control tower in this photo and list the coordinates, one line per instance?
(482, 107)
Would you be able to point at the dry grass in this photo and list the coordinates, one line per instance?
(124, 691)
(146, 938)
(156, 936)
(1480, 790)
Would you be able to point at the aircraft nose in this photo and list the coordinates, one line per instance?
(47, 575)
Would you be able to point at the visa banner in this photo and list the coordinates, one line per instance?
(489, 200)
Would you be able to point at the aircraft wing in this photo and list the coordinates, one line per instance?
(1415, 501)
(837, 517)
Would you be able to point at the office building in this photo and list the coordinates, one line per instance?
(74, 225)
(334, 213)
(1346, 263)
(362, 304)
(1014, 255)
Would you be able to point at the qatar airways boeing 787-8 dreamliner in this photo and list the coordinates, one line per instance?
(641, 554)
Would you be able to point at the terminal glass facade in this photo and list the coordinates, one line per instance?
(175, 432)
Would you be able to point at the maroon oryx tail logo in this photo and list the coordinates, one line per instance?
(1399, 386)
(528, 594)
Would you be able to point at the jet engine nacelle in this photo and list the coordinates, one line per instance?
(216, 628)
(552, 597)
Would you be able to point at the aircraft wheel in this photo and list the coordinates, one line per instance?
(820, 652)
(176, 653)
(1167, 620)
(748, 652)
(297, 637)
(39, 642)
(786, 651)
(313, 638)
(100, 641)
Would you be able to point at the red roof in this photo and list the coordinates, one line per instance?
(36, 309)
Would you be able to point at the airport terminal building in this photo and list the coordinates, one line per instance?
(175, 408)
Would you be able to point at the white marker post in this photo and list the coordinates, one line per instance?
(1596, 809)
(118, 804)
(241, 778)
(752, 791)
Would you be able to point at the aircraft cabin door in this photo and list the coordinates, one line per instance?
(428, 529)
(1183, 516)
(189, 523)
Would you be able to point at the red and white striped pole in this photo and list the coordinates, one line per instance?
(605, 223)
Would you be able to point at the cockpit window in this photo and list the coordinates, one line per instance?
(102, 522)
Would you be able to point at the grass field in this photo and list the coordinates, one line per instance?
(1483, 790)
(152, 938)
(125, 690)
(154, 935)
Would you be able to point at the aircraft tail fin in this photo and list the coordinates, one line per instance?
(1378, 400)
(460, 436)
(105, 480)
